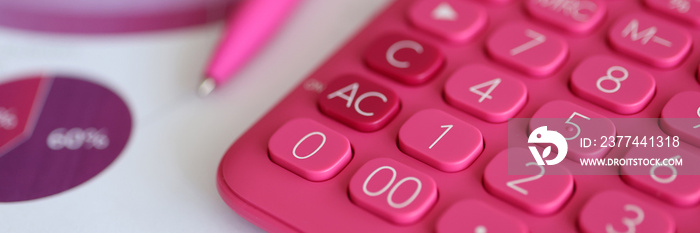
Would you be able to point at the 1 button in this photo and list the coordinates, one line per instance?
(650, 40)
(486, 93)
(681, 117)
(309, 149)
(359, 103)
(613, 211)
(475, 216)
(404, 59)
(527, 48)
(574, 122)
(614, 84)
(440, 140)
(452, 20)
(578, 16)
(393, 191)
(536, 188)
(675, 183)
(688, 10)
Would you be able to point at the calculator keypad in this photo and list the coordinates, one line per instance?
(417, 113)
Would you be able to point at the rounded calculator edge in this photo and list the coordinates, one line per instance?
(246, 210)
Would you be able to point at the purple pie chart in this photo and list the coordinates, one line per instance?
(57, 132)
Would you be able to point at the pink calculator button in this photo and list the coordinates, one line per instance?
(688, 10)
(309, 149)
(485, 92)
(393, 191)
(440, 140)
(478, 217)
(613, 211)
(671, 182)
(543, 190)
(359, 103)
(650, 39)
(404, 59)
(574, 122)
(527, 48)
(452, 20)
(681, 117)
(578, 16)
(614, 84)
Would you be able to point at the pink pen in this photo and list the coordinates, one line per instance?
(250, 24)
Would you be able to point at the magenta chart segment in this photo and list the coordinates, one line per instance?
(56, 133)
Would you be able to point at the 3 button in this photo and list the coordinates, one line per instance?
(614, 211)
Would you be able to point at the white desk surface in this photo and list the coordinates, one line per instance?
(164, 181)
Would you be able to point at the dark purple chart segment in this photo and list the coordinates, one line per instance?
(81, 129)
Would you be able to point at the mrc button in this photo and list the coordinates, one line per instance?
(359, 103)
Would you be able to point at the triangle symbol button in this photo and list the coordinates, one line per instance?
(444, 11)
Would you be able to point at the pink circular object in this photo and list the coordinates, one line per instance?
(109, 16)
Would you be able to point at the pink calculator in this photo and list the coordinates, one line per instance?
(487, 116)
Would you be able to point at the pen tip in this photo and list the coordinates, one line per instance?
(206, 87)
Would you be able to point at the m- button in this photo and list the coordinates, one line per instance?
(650, 40)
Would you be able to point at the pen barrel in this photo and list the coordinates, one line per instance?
(249, 26)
